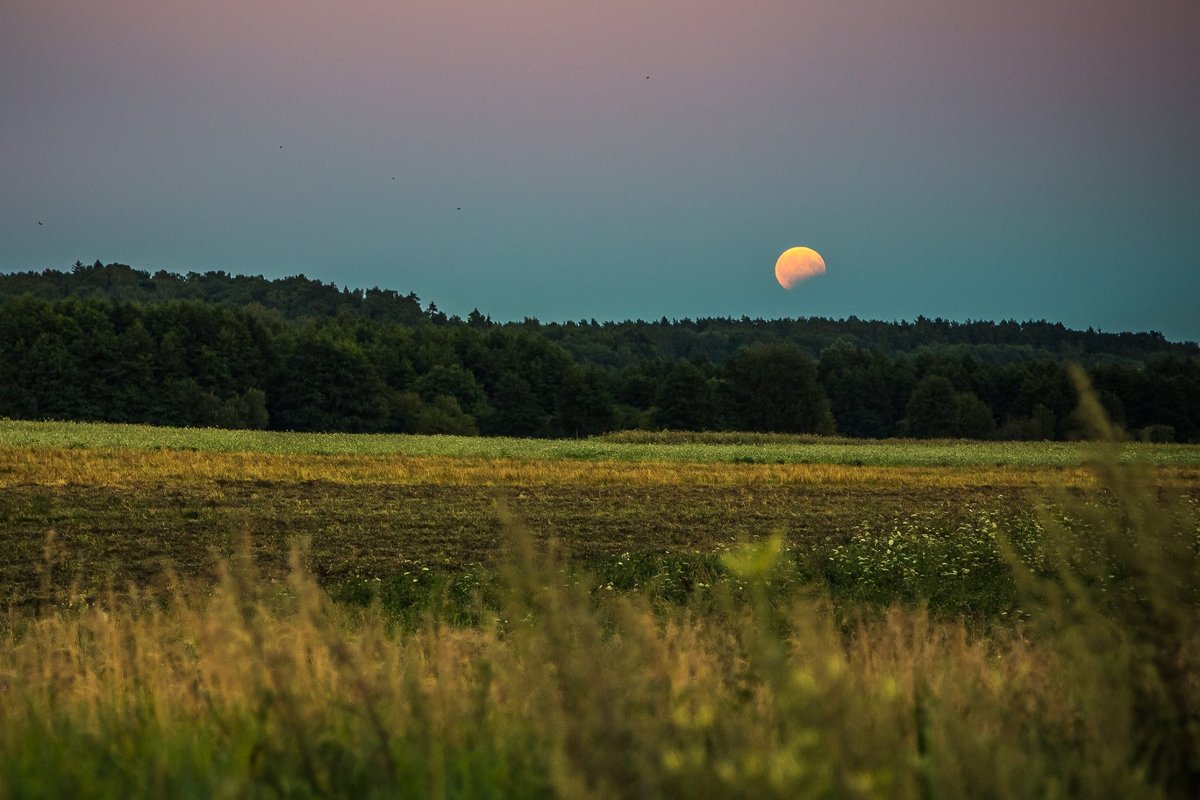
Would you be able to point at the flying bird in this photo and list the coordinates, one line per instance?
(39, 222)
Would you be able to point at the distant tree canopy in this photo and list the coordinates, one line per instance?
(292, 297)
(774, 387)
(117, 344)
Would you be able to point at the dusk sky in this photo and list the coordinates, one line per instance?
(1027, 159)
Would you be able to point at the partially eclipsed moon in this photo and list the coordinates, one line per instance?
(798, 264)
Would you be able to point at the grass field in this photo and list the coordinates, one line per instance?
(216, 613)
(629, 446)
(124, 502)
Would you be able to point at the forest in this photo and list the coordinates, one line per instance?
(113, 343)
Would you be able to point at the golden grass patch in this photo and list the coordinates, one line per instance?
(58, 467)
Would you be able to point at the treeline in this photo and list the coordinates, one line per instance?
(199, 363)
(294, 297)
(610, 344)
(622, 343)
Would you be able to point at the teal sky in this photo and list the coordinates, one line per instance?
(1021, 159)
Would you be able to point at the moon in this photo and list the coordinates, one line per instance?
(798, 264)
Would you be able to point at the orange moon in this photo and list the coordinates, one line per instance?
(798, 264)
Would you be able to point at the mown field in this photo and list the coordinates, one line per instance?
(214, 613)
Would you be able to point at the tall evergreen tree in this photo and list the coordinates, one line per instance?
(775, 388)
(932, 409)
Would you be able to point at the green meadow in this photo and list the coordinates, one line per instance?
(243, 614)
(622, 446)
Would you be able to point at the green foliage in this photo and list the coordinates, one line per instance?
(675, 578)
(1157, 433)
(326, 383)
(685, 401)
(464, 597)
(775, 388)
(972, 417)
(960, 570)
(932, 412)
(865, 388)
(109, 343)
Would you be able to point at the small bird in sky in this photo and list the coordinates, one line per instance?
(39, 222)
(460, 208)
